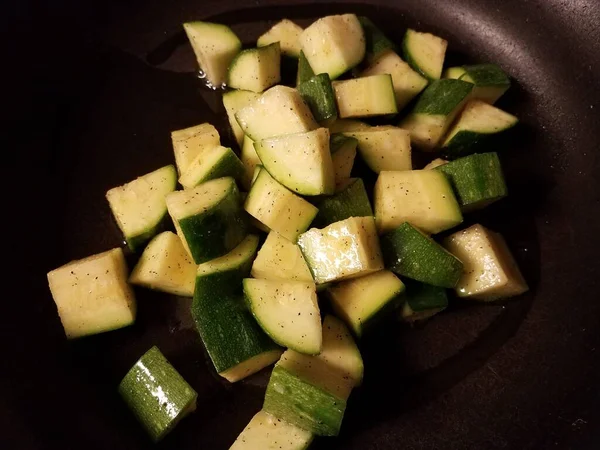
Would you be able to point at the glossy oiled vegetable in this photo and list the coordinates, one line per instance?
(344, 249)
(92, 294)
(188, 143)
(287, 33)
(157, 394)
(490, 271)
(280, 259)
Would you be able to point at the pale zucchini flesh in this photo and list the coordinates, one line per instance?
(256, 69)
(92, 295)
(280, 259)
(188, 143)
(425, 53)
(287, 33)
(233, 101)
(365, 97)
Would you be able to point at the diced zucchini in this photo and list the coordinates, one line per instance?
(425, 53)
(300, 161)
(362, 302)
(208, 218)
(165, 266)
(410, 253)
(343, 153)
(139, 206)
(305, 72)
(249, 160)
(317, 92)
(278, 208)
(340, 351)
(435, 110)
(422, 197)
(346, 125)
(435, 163)
(233, 102)
(305, 391)
(491, 82)
(384, 148)
(287, 33)
(92, 295)
(217, 162)
(215, 46)
(190, 142)
(491, 272)
(477, 123)
(454, 72)
(267, 432)
(157, 394)
(365, 96)
(406, 82)
(422, 301)
(226, 273)
(345, 249)
(350, 200)
(235, 343)
(280, 110)
(280, 259)
(287, 311)
(255, 69)
(334, 44)
(477, 180)
(376, 42)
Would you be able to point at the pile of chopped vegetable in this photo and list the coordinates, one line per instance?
(268, 231)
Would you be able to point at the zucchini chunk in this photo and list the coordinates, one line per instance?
(92, 295)
(410, 253)
(157, 394)
(139, 207)
(491, 272)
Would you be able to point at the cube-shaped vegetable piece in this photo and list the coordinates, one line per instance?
(256, 69)
(410, 253)
(278, 208)
(139, 206)
(287, 33)
(422, 197)
(343, 153)
(350, 200)
(422, 301)
(307, 392)
(477, 180)
(365, 96)
(361, 302)
(157, 394)
(407, 83)
(279, 110)
(383, 147)
(233, 101)
(92, 294)
(490, 271)
(216, 162)
(188, 143)
(280, 259)
(345, 249)
(490, 81)
(333, 44)
(165, 266)
(209, 218)
(267, 432)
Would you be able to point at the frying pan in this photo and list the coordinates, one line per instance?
(92, 90)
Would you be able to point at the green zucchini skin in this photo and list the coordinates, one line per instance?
(423, 297)
(485, 75)
(216, 232)
(477, 180)
(376, 41)
(441, 97)
(410, 253)
(351, 201)
(300, 403)
(305, 72)
(318, 95)
(157, 394)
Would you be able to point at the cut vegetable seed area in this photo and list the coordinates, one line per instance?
(310, 225)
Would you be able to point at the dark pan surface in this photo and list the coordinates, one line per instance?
(91, 94)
